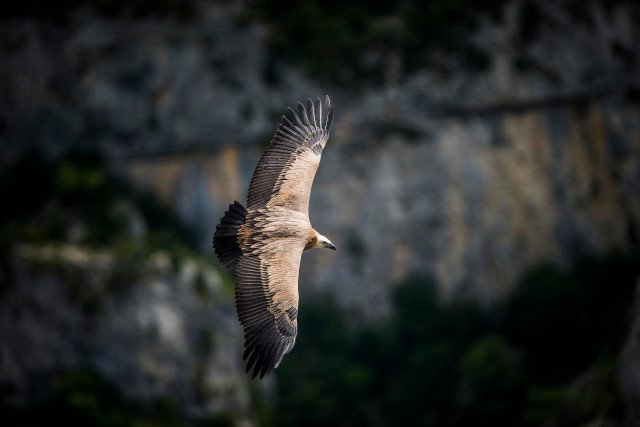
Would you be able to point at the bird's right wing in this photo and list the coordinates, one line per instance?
(267, 302)
(285, 172)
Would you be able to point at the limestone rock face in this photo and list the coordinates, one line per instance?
(476, 204)
(154, 330)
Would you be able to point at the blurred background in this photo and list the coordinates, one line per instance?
(482, 185)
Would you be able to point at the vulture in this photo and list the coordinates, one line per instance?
(263, 243)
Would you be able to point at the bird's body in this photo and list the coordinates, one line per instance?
(265, 241)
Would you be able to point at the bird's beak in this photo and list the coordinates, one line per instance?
(331, 246)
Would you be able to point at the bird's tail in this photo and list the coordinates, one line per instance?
(225, 239)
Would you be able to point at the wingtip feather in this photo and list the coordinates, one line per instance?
(312, 110)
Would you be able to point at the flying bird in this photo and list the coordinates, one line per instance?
(263, 243)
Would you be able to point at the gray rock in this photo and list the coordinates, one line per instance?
(160, 332)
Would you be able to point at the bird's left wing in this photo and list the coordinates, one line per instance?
(267, 302)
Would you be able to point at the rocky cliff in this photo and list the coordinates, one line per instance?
(156, 329)
(468, 178)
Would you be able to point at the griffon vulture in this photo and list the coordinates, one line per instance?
(264, 242)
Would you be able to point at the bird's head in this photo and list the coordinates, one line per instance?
(323, 242)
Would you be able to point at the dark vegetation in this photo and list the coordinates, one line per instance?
(83, 398)
(546, 357)
(363, 43)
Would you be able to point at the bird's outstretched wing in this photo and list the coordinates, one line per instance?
(267, 304)
(275, 233)
(285, 172)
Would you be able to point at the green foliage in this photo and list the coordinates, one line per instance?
(563, 320)
(200, 288)
(73, 180)
(317, 398)
(491, 383)
(83, 398)
(457, 365)
(228, 284)
(597, 395)
(383, 373)
(89, 400)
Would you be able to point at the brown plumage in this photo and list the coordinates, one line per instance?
(265, 241)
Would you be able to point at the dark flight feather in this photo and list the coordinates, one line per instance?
(288, 140)
(225, 239)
